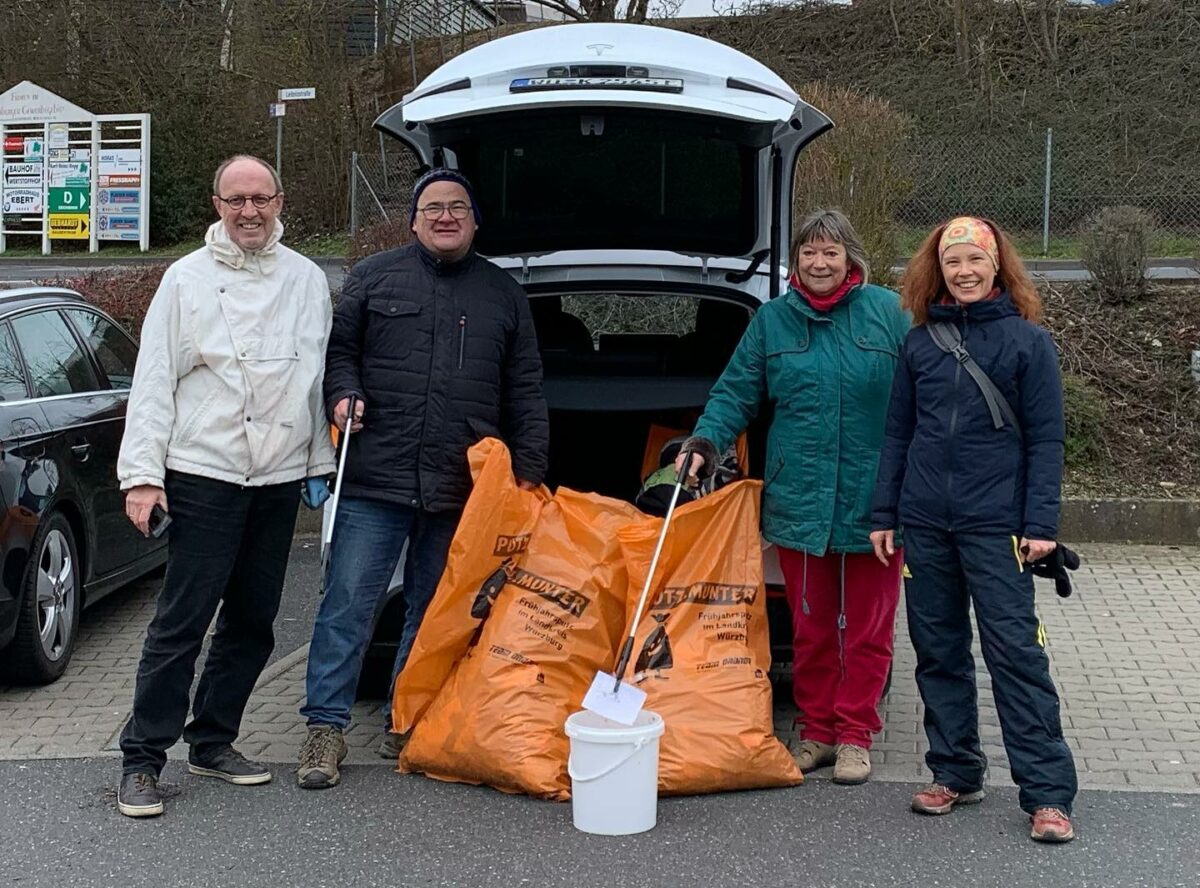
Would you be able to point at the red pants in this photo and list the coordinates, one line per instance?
(838, 677)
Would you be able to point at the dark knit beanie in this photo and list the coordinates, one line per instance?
(443, 175)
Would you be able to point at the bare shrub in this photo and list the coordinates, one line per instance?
(124, 292)
(1116, 246)
(395, 232)
(860, 167)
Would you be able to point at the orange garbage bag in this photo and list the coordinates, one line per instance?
(494, 531)
(702, 649)
(556, 620)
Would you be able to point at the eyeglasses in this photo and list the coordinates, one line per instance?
(458, 210)
(239, 200)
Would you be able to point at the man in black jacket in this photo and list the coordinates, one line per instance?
(437, 347)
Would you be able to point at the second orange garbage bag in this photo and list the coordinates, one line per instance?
(702, 649)
(555, 620)
(493, 533)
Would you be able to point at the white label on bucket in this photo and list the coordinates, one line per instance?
(622, 706)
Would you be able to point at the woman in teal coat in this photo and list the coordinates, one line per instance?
(823, 356)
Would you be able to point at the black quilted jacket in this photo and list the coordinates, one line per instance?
(444, 354)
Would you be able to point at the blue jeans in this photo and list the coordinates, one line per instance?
(367, 540)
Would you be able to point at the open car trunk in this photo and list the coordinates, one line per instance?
(607, 382)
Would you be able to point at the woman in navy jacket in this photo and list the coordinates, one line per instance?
(977, 504)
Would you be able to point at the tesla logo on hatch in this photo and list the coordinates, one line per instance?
(599, 48)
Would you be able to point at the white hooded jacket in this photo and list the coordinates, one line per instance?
(228, 378)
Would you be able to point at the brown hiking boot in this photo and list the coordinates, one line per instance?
(812, 754)
(853, 765)
(1051, 825)
(322, 752)
(939, 799)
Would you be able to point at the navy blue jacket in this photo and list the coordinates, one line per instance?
(444, 354)
(944, 465)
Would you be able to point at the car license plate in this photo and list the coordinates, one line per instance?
(649, 84)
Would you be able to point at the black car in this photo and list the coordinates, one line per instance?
(65, 372)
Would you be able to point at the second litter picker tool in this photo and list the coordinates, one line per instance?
(327, 537)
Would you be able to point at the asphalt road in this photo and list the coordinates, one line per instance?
(58, 827)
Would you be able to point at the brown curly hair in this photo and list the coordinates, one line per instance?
(923, 283)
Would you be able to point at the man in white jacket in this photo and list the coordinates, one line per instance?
(225, 431)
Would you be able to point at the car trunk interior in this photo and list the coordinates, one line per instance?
(609, 379)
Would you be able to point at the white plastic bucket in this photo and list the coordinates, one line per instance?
(614, 773)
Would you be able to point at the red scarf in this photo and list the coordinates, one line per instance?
(825, 303)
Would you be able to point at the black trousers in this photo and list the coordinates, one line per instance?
(228, 547)
(950, 572)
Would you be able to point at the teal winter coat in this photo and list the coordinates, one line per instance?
(829, 376)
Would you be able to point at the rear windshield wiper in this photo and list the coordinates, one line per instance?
(740, 277)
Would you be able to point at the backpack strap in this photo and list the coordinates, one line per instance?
(947, 337)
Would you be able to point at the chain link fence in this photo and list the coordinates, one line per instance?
(1040, 186)
(381, 185)
(1046, 185)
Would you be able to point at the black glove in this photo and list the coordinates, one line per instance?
(1055, 566)
(707, 450)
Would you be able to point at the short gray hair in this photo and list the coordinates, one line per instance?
(232, 160)
(831, 225)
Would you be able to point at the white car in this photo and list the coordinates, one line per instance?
(640, 177)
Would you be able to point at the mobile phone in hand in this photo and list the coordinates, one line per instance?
(159, 521)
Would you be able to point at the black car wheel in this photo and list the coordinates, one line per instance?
(50, 604)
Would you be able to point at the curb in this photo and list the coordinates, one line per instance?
(1154, 522)
(1161, 522)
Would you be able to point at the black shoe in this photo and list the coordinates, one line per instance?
(138, 796)
(229, 765)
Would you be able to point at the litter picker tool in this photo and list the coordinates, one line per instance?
(609, 696)
(327, 540)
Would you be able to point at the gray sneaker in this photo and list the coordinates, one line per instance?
(322, 752)
(138, 796)
(392, 745)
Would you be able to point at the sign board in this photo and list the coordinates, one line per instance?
(297, 93)
(120, 160)
(58, 160)
(124, 180)
(22, 175)
(120, 201)
(70, 200)
(27, 102)
(118, 227)
(22, 200)
(69, 226)
(69, 174)
(278, 109)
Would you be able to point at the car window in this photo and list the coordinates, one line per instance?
(642, 180)
(12, 374)
(114, 351)
(58, 364)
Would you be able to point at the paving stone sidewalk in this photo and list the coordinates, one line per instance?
(1125, 652)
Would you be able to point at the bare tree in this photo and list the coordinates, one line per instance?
(1042, 19)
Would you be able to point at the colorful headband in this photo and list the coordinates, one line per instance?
(969, 230)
